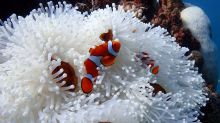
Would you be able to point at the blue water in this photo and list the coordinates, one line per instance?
(212, 9)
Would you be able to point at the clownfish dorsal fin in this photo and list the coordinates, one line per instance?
(107, 36)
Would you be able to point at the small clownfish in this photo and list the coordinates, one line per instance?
(147, 61)
(103, 54)
(154, 69)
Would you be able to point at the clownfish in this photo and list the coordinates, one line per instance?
(103, 54)
(147, 61)
(154, 69)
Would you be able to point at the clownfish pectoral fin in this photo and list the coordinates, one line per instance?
(106, 36)
(86, 85)
(155, 70)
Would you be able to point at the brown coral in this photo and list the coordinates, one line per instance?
(168, 16)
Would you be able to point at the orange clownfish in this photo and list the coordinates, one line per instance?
(103, 54)
(154, 69)
(147, 61)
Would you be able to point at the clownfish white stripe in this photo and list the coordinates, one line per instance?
(96, 60)
(89, 76)
(110, 49)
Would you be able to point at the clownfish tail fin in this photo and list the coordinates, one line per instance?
(87, 83)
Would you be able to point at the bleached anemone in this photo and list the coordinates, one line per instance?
(122, 93)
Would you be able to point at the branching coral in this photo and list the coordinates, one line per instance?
(122, 93)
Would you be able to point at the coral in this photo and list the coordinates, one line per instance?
(123, 92)
(168, 16)
(198, 23)
(144, 9)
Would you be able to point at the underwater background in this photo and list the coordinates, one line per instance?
(212, 9)
(23, 7)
